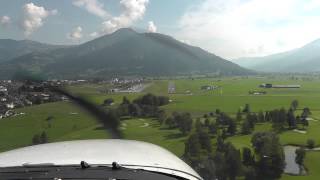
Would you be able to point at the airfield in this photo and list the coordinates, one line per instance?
(69, 122)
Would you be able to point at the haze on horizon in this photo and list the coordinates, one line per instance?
(228, 28)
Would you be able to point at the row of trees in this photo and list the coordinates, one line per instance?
(146, 106)
(182, 121)
(281, 119)
(226, 162)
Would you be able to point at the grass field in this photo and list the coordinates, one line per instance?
(71, 123)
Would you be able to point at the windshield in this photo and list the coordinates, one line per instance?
(199, 89)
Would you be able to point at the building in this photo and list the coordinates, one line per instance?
(286, 86)
(267, 85)
(208, 88)
(171, 88)
(3, 89)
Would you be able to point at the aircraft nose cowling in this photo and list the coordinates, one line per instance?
(128, 153)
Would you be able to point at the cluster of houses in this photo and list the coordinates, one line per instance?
(126, 85)
(17, 94)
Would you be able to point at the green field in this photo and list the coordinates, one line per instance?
(70, 122)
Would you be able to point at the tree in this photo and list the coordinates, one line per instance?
(163, 100)
(246, 109)
(125, 100)
(224, 133)
(261, 117)
(220, 160)
(250, 173)
(43, 138)
(252, 118)
(218, 111)
(213, 128)
(292, 122)
(186, 126)
(207, 169)
(183, 121)
(294, 104)
(220, 144)
(270, 155)
(207, 122)
(246, 128)
(205, 141)
(239, 116)
(304, 122)
(279, 119)
(161, 116)
(232, 155)
(310, 143)
(192, 146)
(300, 155)
(36, 139)
(170, 122)
(305, 113)
(198, 125)
(232, 127)
(267, 116)
(108, 102)
(205, 116)
(247, 157)
(135, 110)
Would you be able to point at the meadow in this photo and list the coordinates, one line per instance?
(71, 122)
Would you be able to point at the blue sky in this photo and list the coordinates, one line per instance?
(164, 13)
(229, 28)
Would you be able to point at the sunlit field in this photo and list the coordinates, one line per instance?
(70, 122)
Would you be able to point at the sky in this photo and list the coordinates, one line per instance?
(227, 28)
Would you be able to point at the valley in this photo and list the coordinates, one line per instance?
(69, 122)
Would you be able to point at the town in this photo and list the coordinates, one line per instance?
(18, 94)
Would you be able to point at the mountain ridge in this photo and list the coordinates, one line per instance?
(124, 52)
(301, 60)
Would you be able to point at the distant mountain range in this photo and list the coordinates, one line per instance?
(303, 60)
(10, 49)
(123, 53)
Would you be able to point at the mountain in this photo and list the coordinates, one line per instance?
(123, 53)
(303, 60)
(10, 49)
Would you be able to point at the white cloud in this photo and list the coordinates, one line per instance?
(5, 21)
(34, 16)
(94, 34)
(132, 10)
(236, 28)
(92, 6)
(152, 27)
(76, 34)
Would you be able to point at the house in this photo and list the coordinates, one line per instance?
(208, 88)
(171, 88)
(45, 97)
(10, 106)
(3, 89)
(265, 85)
(257, 92)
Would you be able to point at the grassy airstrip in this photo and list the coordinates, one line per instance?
(70, 122)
